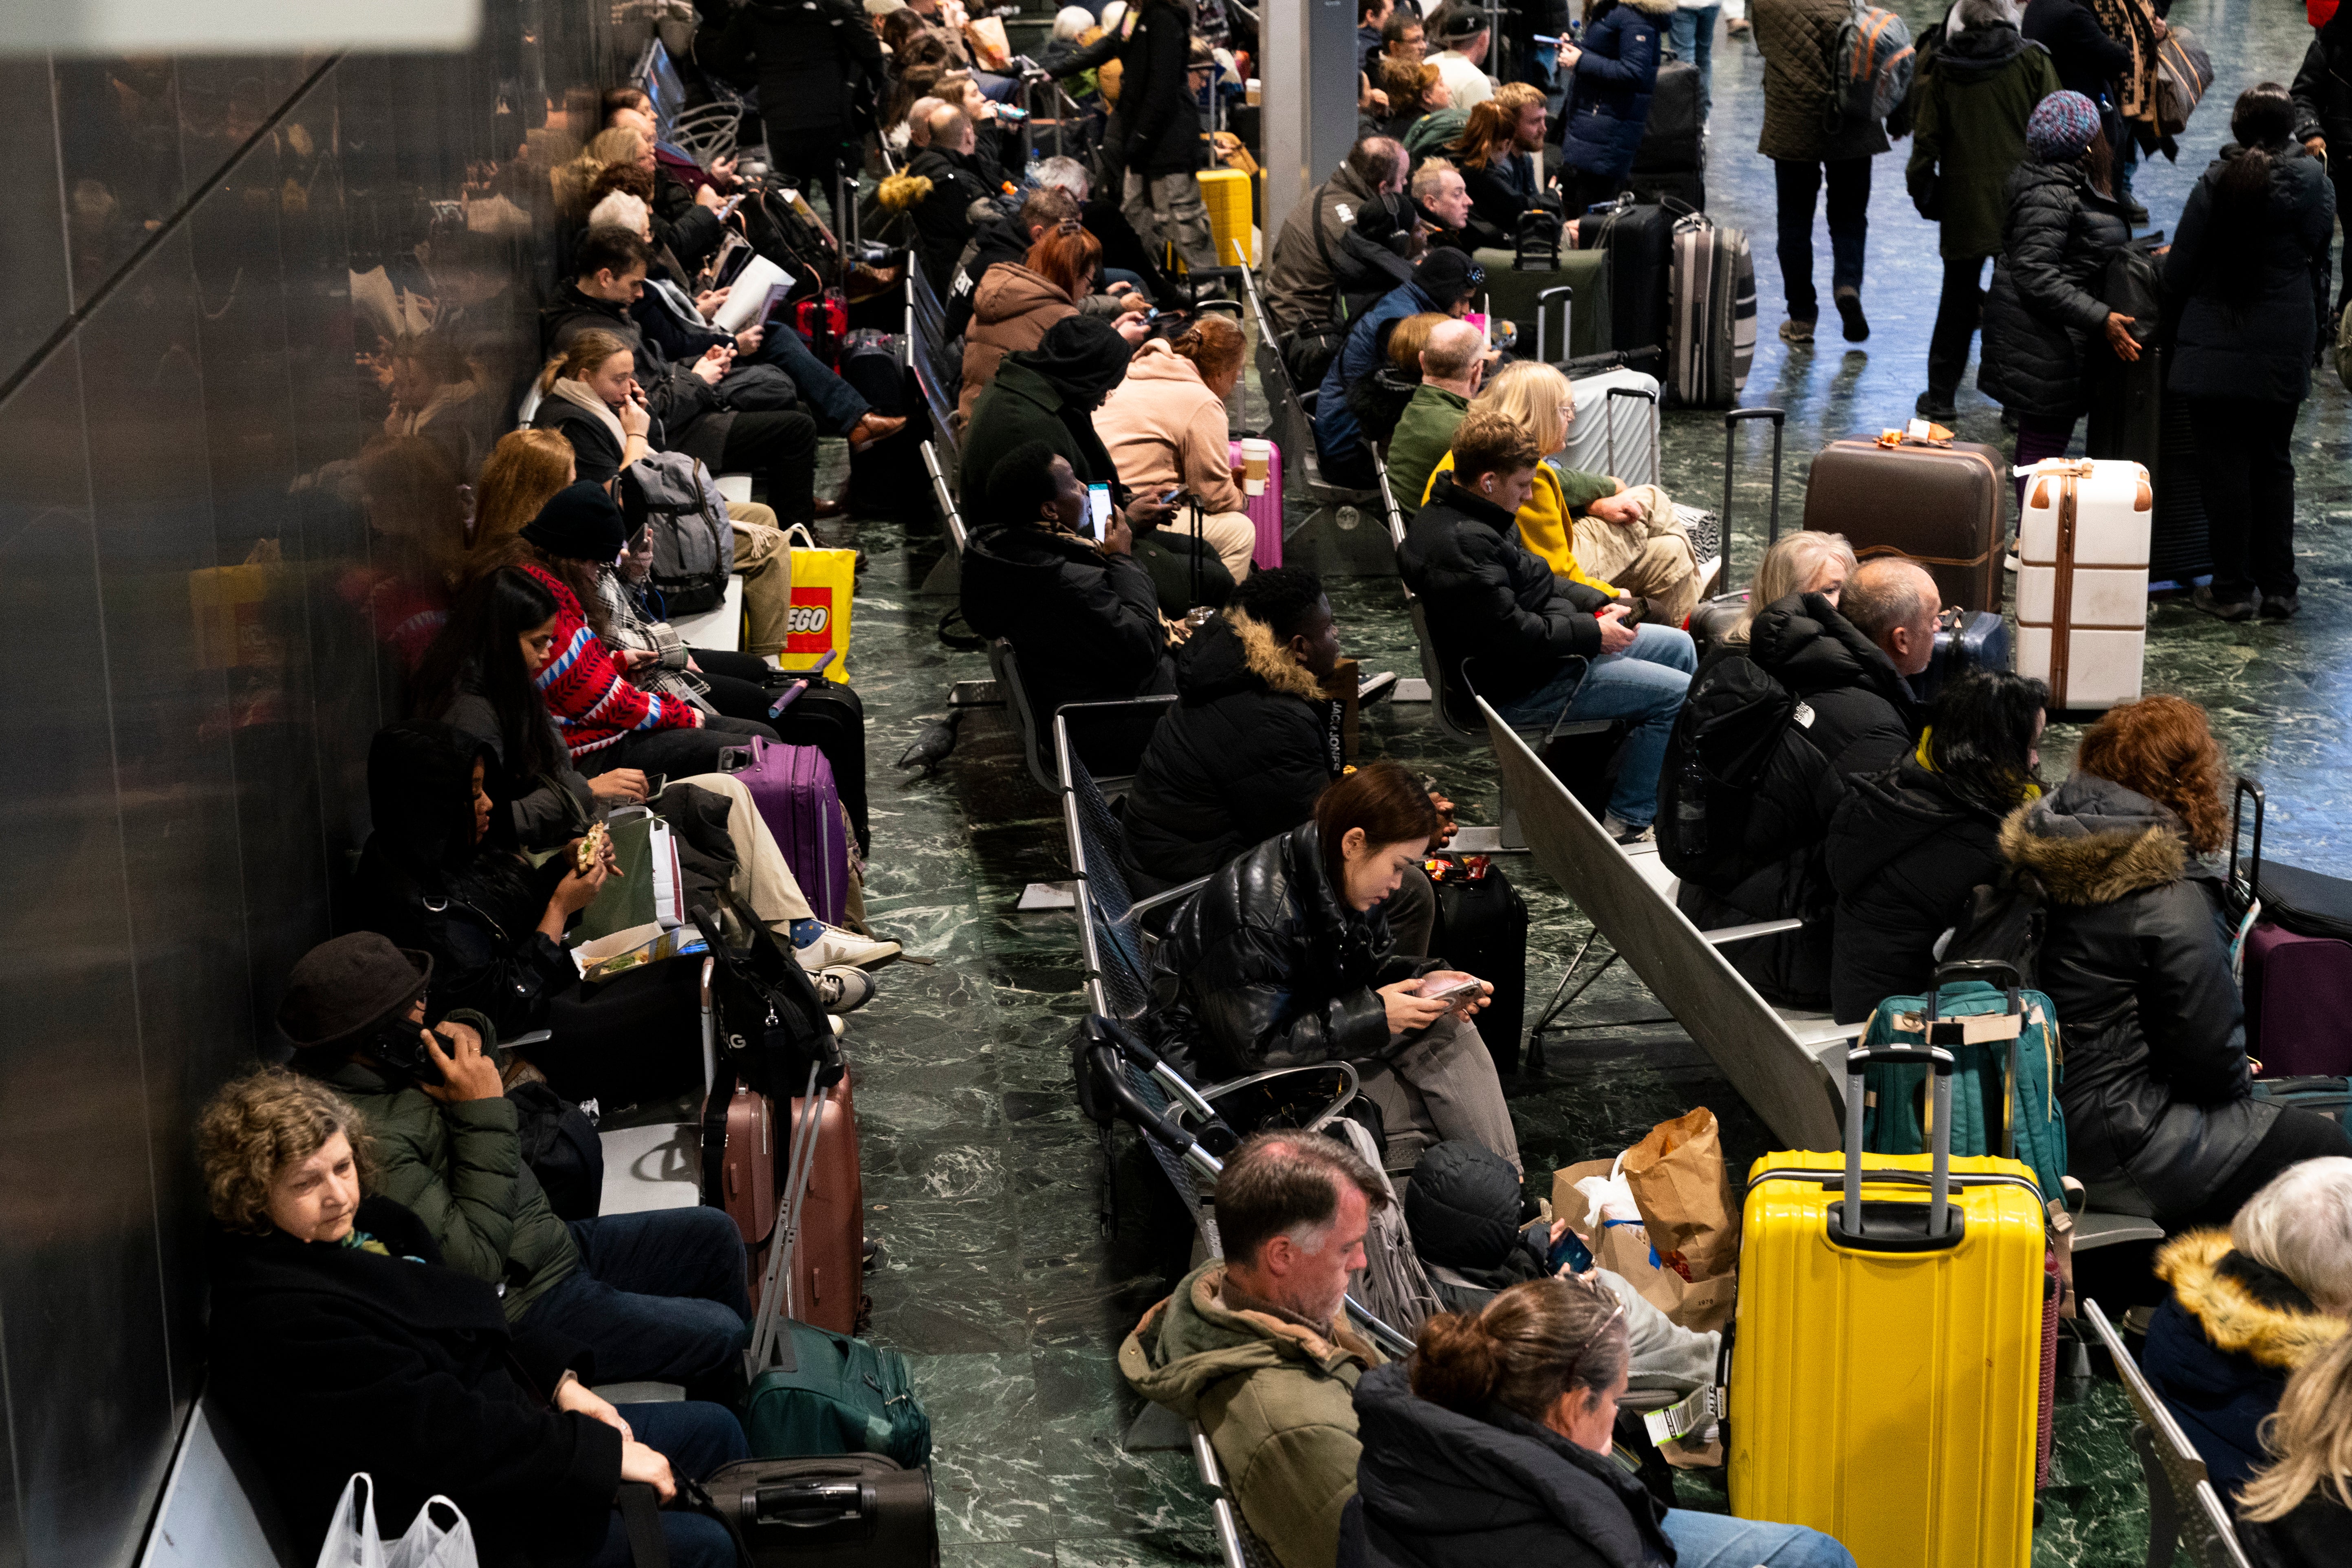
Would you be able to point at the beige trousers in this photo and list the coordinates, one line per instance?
(1230, 533)
(763, 880)
(1650, 558)
(1442, 1087)
(764, 561)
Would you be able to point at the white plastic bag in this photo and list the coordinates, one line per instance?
(1607, 1199)
(352, 1542)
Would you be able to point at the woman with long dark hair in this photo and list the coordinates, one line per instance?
(1908, 846)
(2158, 1094)
(2252, 262)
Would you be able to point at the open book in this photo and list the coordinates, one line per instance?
(758, 290)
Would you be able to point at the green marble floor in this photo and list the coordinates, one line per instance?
(985, 1187)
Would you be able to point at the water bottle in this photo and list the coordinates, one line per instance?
(1690, 809)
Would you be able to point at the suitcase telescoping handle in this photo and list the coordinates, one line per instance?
(2246, 886)
(1609, 423)
(1731, 424)
(1847, 1223)
(1567, 298)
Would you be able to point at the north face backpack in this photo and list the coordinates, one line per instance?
(677, 499)
(1870, 68)
(1728, 733)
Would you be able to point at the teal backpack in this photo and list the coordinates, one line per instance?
(825, 1393)
(2000, 1035)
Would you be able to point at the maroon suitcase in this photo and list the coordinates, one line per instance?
(751, 1176)
(828, 1251)
(2296, 965)
(1942, 505)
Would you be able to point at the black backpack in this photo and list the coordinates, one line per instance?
(561, 1146)
(1731, 727)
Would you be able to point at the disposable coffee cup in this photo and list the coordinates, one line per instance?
(1250, 92)
(1255, 456)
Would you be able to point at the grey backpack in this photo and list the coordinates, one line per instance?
(694, 543)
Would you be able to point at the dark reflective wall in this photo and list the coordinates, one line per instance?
(261, 320)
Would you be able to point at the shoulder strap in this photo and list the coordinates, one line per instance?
(641, 1518)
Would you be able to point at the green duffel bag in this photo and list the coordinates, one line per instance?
(830, 1393)
(1510, 296)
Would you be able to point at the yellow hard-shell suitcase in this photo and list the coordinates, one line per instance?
(1885, 1387)
(1226, 194)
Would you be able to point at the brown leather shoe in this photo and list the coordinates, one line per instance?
(830, 508)
(875, 427)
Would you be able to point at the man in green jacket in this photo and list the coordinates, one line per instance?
(656, 1296)
(1969, 106)
(1452, 364)
(1255, 1348)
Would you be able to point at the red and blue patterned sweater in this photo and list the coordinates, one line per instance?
(594, 703)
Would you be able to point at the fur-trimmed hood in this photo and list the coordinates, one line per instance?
(1659, 9)
(1234, 653)
(2244, 1308)
(2093, 841)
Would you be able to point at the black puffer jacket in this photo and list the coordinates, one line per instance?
(2156, 1088)
(331, 1359)
(2088, 60)
(2258, 343)
(944, 218)
(1463, 1209)
(1241, 757)
(2044, 317)
(1850, 714)
(689, 415)
(1905, 849)
(1489, 601)
(820, 66)
(1155, 129)
(1447, 1490)
(1083, 622)
(2322, 90)
(1267, 967)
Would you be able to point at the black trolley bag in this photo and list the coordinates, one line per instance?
(1482, 930)
(808, 710)
(844, 1510)
(1639, 239)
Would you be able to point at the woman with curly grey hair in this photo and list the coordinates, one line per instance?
(340, 1343)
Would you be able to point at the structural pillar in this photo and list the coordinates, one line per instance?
(1307, 80)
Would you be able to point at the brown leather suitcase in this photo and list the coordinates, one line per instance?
(828, 1260)
(1945, 507)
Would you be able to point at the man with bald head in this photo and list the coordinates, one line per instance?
(1299, 279)
(1453, 365)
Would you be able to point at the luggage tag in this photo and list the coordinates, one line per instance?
(1688, 1417)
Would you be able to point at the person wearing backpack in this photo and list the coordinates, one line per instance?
(1798, 40)
(1761, 753)
(1300, 283)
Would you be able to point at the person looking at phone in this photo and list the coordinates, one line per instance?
(1081, 616)
(343, 1339)
(1166, 429)
(1286, 957)
(656, 1296)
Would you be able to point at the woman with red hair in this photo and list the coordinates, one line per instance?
(2158, 1090)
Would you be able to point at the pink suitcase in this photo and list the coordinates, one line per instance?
(793, 788)
(1266, 509)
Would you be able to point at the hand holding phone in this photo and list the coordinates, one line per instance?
(1099, 510)
(1444, 986)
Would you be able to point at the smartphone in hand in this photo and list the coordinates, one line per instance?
(1099, 510)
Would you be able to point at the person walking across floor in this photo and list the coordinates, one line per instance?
(1969, 106)
(2251, 262)
(1809, 150)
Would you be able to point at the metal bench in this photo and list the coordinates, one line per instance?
(2182, 1507)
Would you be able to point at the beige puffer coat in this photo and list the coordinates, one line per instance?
(1010, 312)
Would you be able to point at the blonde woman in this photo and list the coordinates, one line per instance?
(1807, 562)
(1589, 528)
(2297, 1512)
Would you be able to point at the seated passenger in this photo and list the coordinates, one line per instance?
(2158, 1090)
(1374, 258)
(2249, 1306)
(1166, 429)
(1081, 614)
(1493, 1446)
(1444, 200)
(1299, 287)
(1051, 393)
(1452, 368)
(940, 187)
(2295, 1512)
(1463, 1209)
(1445, 281)
(1768, 859)
(478, 679)
(1590, 528)
(1380, 401)
(340, 1343)
(1286, 957)
(1806, 562)
(1017, 300)
(1908, 845)
(656, 1296)
(1538, 647)
(1415, 88)
(1254, 1347)
(1500, 154)
(688, 413)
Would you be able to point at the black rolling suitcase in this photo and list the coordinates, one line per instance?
(1672, 158)
(1639, 238)
(2133, 417)
(1482, 930)
(832, 718)
(846, 1511)
(1965, 639)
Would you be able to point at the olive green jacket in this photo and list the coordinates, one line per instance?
(1968, 132)
(460, 1168)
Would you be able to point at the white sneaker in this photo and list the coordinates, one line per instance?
(1624, 832)
(837, 946)
(839, 1024)
(843, 989)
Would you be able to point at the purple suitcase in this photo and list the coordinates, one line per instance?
(2296, 963)
(793, 788)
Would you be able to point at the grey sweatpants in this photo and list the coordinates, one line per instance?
(1442, 1087)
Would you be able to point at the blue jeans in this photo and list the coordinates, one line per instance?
(658, 1297)
(696, 1438)
(1692, 33)
(1646, 682)
(1720, 1541)
(838, 407)
(1796, 183)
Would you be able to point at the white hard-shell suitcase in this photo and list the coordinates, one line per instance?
(2081, 579)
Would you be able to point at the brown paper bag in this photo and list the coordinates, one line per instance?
(1626, 1251)
(1684, 1192)
(989, 46)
